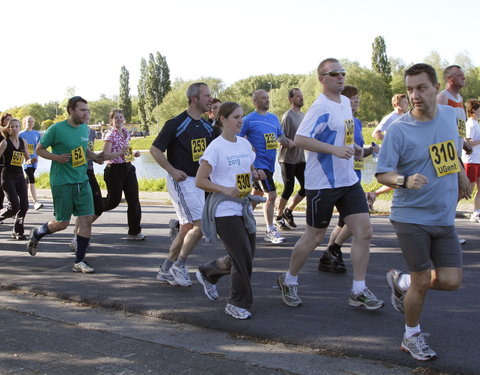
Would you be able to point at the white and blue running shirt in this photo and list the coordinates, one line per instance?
(326, 121)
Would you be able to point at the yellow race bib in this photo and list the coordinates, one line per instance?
(444, 158)
(358, 165)
(30, 149)
(17, 158)
(78, 157)
(462, 132)
(198, 148)
(349, 131)
(243, 184)
(129, 155)
(270, 141)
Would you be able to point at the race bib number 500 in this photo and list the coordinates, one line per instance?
(78, 157)
(444, 158)
(198, 148)
(243, 184)
(17, 158)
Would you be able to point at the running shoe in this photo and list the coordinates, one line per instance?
(165, 277)
(280, 224)
(37, 206)
(180, 275)
(18, 237)
(289, 292)
(32, 243)
(136, 237)
(332, 261)
(398, 294)
(73, 245)
(273, 237)
(462, 241)
(237, 312)
(288, 216)
(209, 289)
(366, 299)
(174, 226)
(418, 347)
(475, 217)
(83, 267)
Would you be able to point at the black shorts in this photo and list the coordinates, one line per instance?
(348, 200)
(29, 172)
(265, 185)
(96, 192)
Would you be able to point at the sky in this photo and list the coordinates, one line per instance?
(49, 46)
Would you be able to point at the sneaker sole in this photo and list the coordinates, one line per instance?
(137, 239)
(418, 358)
(181, 283)
(166, 281)
(361, 304)
(237, 317)
(31, 250)
(273, 242)
(80, 271)
(331, 269)
(199, 277)
(392, 295)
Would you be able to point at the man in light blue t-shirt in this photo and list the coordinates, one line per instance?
(264, 132)
(419, 159)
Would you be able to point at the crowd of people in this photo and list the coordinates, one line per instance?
(220, 167)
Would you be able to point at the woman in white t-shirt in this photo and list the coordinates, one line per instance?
(226, 170)
(472, 160)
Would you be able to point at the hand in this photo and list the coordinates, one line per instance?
(136, 154)
(375, 148)
(179, 175)
(231, 192)
(99, 158)
(62, 159)
(261, 174)
(33, 160)
(416, 181)
(464, 186)
(467, 147)
(125, 148)
(343, 152)
(358, 152)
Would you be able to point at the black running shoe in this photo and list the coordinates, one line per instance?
(288, 216)
(332, 261)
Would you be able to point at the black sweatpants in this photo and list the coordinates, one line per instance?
(15, 188)
(238, 263)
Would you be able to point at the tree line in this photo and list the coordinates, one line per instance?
(158, 99)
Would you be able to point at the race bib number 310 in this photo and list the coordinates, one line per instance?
(78, 157)
(243, 184)
(198, 148)
(444, 158)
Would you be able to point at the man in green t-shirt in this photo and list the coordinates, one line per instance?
(71, 190)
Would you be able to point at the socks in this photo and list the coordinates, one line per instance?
(358, 286)
(410, 331)
(82, 244)
(290, 279)
(404, 281)
(180, 262)
(166, 265)
(41, 232)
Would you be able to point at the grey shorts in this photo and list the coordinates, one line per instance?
(424, 245)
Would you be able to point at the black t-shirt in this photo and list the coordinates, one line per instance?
(184, 139)
(14, 157)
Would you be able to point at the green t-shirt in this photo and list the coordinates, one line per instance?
(64, 138)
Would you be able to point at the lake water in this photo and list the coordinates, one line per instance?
(148, 168)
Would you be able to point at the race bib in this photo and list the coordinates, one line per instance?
(78, 157)
(198, 148)
(270, 141)
(444, 158)
(243, 184)
(358, 165)
(129, 155)
(462, 132)
(30, 149)
(17, 158)
(349, 131)
(90, 145)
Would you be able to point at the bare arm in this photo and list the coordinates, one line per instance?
(312, 144)
(44, 153)
(442, 98)
(415, 181)
(107, 151)
(202, 182)
(162, 161)
(3, 147)
(285, 142)
(28, 160)
(377, 134)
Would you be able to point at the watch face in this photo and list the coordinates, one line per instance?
(400, 180)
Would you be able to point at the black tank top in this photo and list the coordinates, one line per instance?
(14, 157)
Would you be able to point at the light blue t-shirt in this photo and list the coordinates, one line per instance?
(262, 132)
(32, 137)
(405, 150)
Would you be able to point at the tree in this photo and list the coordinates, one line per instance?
(100, 110)
(124, 101)
(381, 64)
(141, 94)
(439, 64)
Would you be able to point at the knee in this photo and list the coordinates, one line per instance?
(272, 196)
(449, 284)
(61, 225)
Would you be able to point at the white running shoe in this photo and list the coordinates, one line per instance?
(209, 289)
(83, 267)
(273, 237)
(37, 206)
(237, 312)
(180, 275)
(475, 217)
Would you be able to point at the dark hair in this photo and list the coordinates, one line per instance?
(422, 68)
(322, 64)
(72, 103)
(472, 105)
(447, 73)
(350, 91)
(2, 119)
(226, 109)
(4, 129)
(291, 92)
(216, 100)
(194, 90)
(112, 113)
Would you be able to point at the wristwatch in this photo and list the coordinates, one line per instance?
(402, 181)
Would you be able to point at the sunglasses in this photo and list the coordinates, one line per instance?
(335, 73)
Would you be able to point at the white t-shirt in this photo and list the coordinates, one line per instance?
(472, 131)
(229, 159)
(326, 121)
(387, 121)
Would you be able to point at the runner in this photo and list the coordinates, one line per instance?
(15, 151)
(184, 138)
(226, 171)
(71, 191)
(264, 132)
(32, 137)
(3, 124)
(419, 158)
(119, 174)
(327, 133)
(292, 163)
